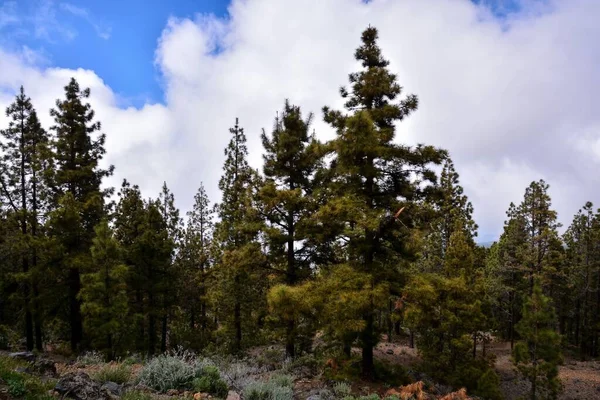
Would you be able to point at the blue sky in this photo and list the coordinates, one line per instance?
(115, 38)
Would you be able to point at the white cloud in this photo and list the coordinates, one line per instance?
(513, 100)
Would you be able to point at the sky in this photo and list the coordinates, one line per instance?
(509, 87)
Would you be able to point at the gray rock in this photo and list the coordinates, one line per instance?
(23, 355)
(390, 351)
(45, 367)
(313, 397)
(113, 388)
(79, 386)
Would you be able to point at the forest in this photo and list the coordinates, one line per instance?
(330, 250)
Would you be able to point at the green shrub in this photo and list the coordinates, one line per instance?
(91, 358)
(16, 386)
(267, 391)
(282, 380)
(209, 381)
(168, 371)
(117, 373)
(342, 389)
(22, 385)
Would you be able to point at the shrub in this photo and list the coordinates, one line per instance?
(16, 386)
(282, 380)
(240, 374)
(210, 381)
(267, 391)
(488, 386)
(90, 358)
(21, 385)
(117, 373)
(342, 389)
(168, 371)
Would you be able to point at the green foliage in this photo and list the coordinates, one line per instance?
(104, 292)
(209, 381)
(488, 386)
(342, 389)
(91, 358)
(268, 390)
(23, 385)
(538, 354)
(168, 371)
(113, 372)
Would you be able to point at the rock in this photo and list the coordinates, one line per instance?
(172, 392)
(23, 370)
(79, 386)
(112, 388)
(45, 367)
(390, 351)
(23, 355)
(313, 397)
(233, 396)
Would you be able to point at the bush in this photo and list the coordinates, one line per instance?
(117, 373)
(342, 389)
(91, 358)
(168, 371)
(267, 391)
(210, 381)
(21, 385)
(7, 337)
(282, 380)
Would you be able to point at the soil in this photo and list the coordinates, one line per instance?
(581, 379)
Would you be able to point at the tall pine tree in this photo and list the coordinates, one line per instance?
(239, 287)
(76, 182)
(24, 148)
(373, 177)
(291, 159)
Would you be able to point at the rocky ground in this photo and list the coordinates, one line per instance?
(53, 376)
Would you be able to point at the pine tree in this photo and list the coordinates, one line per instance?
(291, 159)
(240, 257)
(195, 263)
(541, 227)
(104, 293)
(370, 182)
(538, 355)
(77, 175)
(578, 301)
(148, 250)
(24, 155)
(170, 214)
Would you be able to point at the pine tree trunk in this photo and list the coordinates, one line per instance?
(163, 341)
(368, 369)
(237, 323)
(151, 327)
(475, 345)
(75, 308)
(411, 341)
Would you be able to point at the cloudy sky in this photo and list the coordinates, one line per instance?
(510, 87)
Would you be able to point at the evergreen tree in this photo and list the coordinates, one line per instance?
(148, 249)
(239, 279)
(195, 262)
(76, 182)
(578, 310)
(291, 159)
(24, 149)
(538, 355)
(541, 227)
(104, 292)
(370, 177)
(170, 214)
